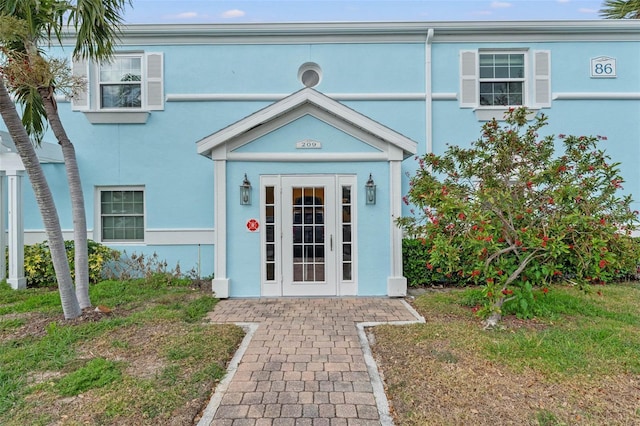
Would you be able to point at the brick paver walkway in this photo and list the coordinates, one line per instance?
(304, 362)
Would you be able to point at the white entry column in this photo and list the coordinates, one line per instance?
(16, 277)
(3, 226)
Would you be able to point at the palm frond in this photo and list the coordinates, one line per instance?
(97, 24)
(621, 9)
(34, 116)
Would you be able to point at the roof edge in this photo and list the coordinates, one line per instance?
(132, 32)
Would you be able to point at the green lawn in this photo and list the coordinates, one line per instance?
(150, 360)
(577, 364)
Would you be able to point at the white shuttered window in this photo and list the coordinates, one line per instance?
(491, 79)
(130, 82)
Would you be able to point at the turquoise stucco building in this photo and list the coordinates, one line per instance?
(275, 156)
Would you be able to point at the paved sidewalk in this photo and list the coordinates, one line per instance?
(304, 361)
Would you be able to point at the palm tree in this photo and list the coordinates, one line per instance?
(70, 306)
(621, 9)
(96, 24)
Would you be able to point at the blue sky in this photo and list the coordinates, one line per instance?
(234, 11)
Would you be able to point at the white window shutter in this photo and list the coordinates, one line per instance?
(155, 81)
(542, 78)
(80, 99)
(468, 79)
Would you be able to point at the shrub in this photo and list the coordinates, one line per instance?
(510, 214)
(415, 265)
(38, 266)
(416, 253)
(151, 268)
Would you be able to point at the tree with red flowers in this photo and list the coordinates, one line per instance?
(511, 214)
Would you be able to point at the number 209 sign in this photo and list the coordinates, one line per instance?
(603, 67)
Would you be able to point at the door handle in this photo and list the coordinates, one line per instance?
(331, 242)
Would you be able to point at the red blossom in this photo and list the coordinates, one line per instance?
(507, 292)
(461, 216)
(545, 290)
(429, 266)
(602, 263)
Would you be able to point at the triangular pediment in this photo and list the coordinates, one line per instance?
(294, 120)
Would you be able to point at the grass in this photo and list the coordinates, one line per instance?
(151, 361)
(577, 363)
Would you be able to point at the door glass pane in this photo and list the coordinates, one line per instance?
(346, 233)
(308, 205)
(270, 237)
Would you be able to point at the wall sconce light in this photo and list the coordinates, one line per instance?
(370, 189)
(245, 192)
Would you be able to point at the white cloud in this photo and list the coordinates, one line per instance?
(587, 10)
(500, 4)
(185, 15)
(233, 13)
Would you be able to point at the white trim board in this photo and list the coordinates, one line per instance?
(156, 237)
(375, 32)
(596, 96)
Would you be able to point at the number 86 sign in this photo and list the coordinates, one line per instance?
(603, 67)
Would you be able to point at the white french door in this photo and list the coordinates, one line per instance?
(308, 239)
(308, 236)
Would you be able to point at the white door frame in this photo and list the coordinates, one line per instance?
(341, 268)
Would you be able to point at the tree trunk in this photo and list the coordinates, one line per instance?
(70, 305)
(493, 320)
(77, 197)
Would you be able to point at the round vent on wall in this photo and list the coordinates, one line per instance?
(310, 74)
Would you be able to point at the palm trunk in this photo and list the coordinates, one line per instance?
(77, 197)
(70, 305)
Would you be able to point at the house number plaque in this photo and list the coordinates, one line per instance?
(603, 67)
(308, 144)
